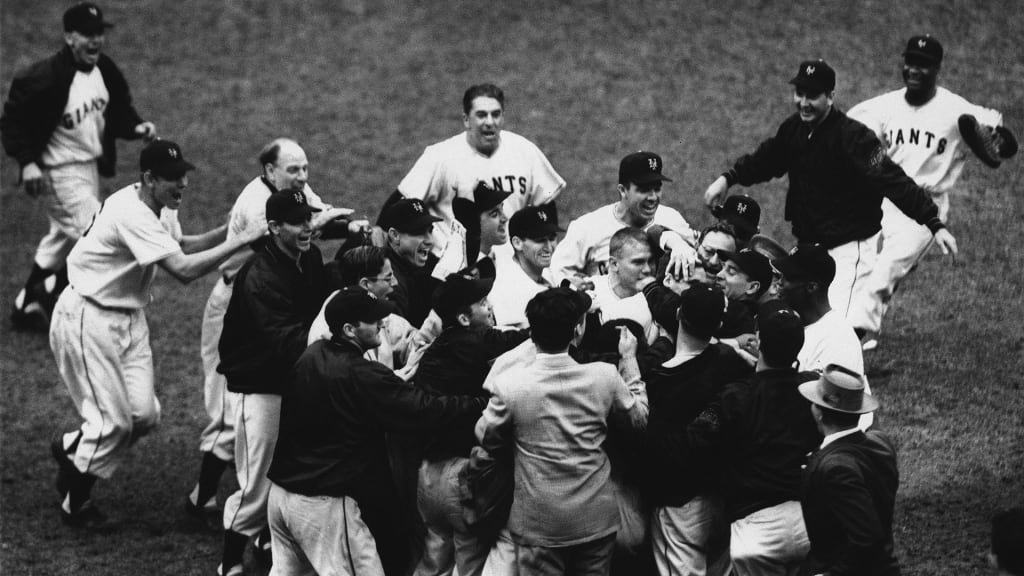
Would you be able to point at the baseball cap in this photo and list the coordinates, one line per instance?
(780, 332)
(816, 76)
(85, 18)
(702, 309)
(164, 159)
(839, 389)
(458, 291)
(767, 246)
(487, 198)
(351, 305)
(743, 212)
(807, 263)
(753, 264)
(925, 47)
(641, 168)
(410, 216)
(289, 206)
(534, 222)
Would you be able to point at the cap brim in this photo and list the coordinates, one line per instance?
(924, 55)
(424, 222)
(540, 233)
(809, 85)
(650, 179)
(378, 310)
(300, 214)
(765, 245)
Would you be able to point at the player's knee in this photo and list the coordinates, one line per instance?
(146, 421)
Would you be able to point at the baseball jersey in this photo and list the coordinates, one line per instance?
(115, 261)
(513, 289)
(78, 135)
(452, 168)
(831, 340)
(584, 250)
(250, 213)
(924, 140)
(612, 307)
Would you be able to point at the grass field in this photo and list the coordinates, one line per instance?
(589, 81)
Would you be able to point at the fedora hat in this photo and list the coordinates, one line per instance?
(839, 389)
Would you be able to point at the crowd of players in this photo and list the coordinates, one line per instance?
(458, 389)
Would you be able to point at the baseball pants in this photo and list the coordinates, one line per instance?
(449, 542)
(256, 425)
(681, 536)
(769, 542)
(904, 243)
(319, 535)
(104, 358)
(854, 262)
(221, 405)
(75, 200)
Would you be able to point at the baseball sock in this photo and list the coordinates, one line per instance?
(210, 472)
(234, 548)
(33, 287)
(81, 489)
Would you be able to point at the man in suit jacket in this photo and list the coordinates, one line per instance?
(849, 486)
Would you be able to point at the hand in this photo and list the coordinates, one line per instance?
(36, 182)
(359, 228)
(682, 263)
(676, 285)
(715, 193)
(329, 214)
(946, 242)
(251, 234)
(627, 343)
(748, 343)
(147, 130)
(580, 283)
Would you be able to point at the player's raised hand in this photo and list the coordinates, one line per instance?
(715, 193)
(147, 130)
(946, 242)
(627, 343)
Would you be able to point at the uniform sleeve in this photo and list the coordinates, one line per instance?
(426, 178)
(868, 156)
(547, 184)
(248, 213)
(765, 163)
(673, 220)
(868, 114)
(570, 256)
(145, 236)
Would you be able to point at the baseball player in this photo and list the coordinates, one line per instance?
(583, 252)
(59, 122)
(838, 175)
(99, 334)
(503, 160)
(534, 233)
(284, 166)
(918, 125)
(277, 296)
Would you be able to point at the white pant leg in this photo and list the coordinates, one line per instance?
(501, 560)
(219, 435)
(106, 363)
(904, 243)
(322, 535)
(770, 542)
(75, 199)
(258, 418)
(680, 536)
(854, 262)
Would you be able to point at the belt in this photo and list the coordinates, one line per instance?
(93, 301)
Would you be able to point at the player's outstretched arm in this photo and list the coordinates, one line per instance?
(199, 242)
(946, 242)
(188, 267)
(715, 194)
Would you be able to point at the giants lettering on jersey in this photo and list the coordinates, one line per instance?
(508, 183)
(74, 118)
(915, 137)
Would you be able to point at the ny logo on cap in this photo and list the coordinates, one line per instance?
(299, 197)
(653, 163)
(543, 216)
(810, 70)
(172, 152)
(417, 207)
(922, 43)
(741, 208)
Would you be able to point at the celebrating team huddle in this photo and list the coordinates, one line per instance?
(472, 384)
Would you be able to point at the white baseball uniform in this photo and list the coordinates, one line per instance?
(452, 168)
(70, 163)
(832, 340)
(248, 213)
(634, 307)
(513, 289)
(99, 334)
(584, 250)
(925, 141)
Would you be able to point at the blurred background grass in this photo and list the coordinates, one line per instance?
(366, 85)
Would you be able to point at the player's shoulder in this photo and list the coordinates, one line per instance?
(598, 215)
(256, 191)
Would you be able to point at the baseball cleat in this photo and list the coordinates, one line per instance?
(87, 516)
(869, 344)
(31, 318)
(65, 468)
(236, 570)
